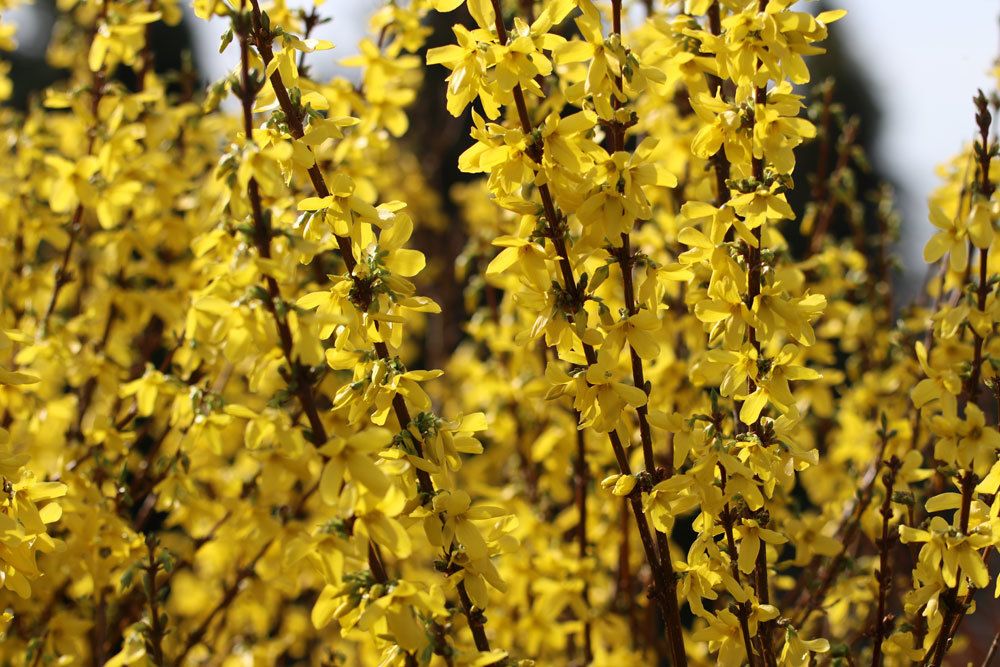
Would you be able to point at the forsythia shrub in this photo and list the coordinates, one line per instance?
(686, 424)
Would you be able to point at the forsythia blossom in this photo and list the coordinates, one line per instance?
(273, 393)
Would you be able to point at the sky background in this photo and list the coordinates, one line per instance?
(925, 60)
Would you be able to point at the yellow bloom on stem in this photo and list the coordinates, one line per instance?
(750, 534)
(796, 651)
(765, 204)
(638, 331)
(726, 126)
(948, 551)
(951, 239)
(468, 64)
(355, 455)
(602, 403)
(943, 385)
(459, 515)
(604, 59)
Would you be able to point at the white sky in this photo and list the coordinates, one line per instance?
(925, 59)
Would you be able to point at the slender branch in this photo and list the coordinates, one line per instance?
(954, 609)
(300, 374)
(62, 276)
(233, 590)
(829, 205)
(846, 532)
(719, 161)
(665, 584)
(100, 631)
(293, 116)
(156, 630)
(820, 185)
(992, 653)
(728, 519)
(227, 599)
(626, 260)
(580, 483)
(884, 576)
(623, 580)
(754, 283)
(762, 589)
(147, 58)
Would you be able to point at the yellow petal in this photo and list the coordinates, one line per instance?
(624, 485)
(752, 407)
(470, 537)
(365, 472)
(331, 480)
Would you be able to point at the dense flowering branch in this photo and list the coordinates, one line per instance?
(214, 335)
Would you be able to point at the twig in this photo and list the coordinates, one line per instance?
(154, 642)
(844, 146)
(953, 609)
(992, 653)
(728, 519)
(62, 276)
(884, 576)
(262, 38)
(581, 480)
(665, 584)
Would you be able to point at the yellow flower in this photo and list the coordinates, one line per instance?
(947, 550)
(951, 239)
(638, 332)
(765, 204)
(604, 62)
(459, 515)
(602, 402)
(354, 455)
(751, 534)
(468, 64)
(726, 126)
(796, 651)
(943, 385)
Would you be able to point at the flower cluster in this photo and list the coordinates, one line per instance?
(684, 423)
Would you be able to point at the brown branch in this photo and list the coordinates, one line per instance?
(884, 576)
(230, 593)
(580, 483)
(665, 584)
(954, 610)
(300, 376)
(754, 283)
(719, 161)
(227, 599)
(728, 519)
(262, 39)
(820, 185)
(846, 532)
(100, 628)
(626, 260)
(992, 653)
(156, 630)
(262, 237)
(62, 276)
(844, 146)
